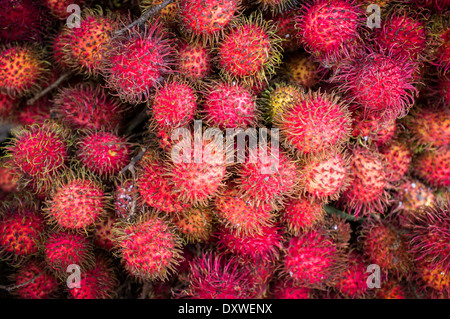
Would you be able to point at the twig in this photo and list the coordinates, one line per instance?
(48, 89)
(12, 287)
(149, 13)
(133, 162)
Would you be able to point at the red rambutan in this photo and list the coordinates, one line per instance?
(194, 60)
(397, 157)
(301, 214)
(434, 167)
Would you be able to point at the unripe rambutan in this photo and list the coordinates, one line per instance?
(301, 214)
(99, 282)
(44, 285)
(22, 69)
(397, 157)
(63, 249)
(21, 20)
(265, 244)
(206, 19)
(103, 153)
(76, 202)
(312, 260)
(301, 70)
(289, 290)
(194, 60)
(103, 235)
(352, 283)
(250, 50)
(59, 7)
(84, 47)
(230, 105)
(386, 247)
(430, 237)
(174, 105)
(390, 94)
(137, 62)
(155, 188)
(242, 216)
(21, 231)
(278, 98)
(268, 178)
(366, 193)
(194, 224)
(434, 167)
(285, 24)
(369, 126)
(329, 29)
(213, 276)
(315, 122)
(324, 175)
(39, 152)
(148, 248)
(7, 106)
(87, 107)
(403, 34)
(37, 113)
(430, 126)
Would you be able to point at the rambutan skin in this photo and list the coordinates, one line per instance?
(433, 167)
(301, 214)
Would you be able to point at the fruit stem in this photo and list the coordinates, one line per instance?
(48, 89)
(335, 211)
(12, 287)
(147, 14)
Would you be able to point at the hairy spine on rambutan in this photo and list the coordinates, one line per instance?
(397, 158)
(433, 167)
(352, 283)
(301, 214)
(194, 60)
(194, 224)
(148, 247)
(278, 98)
(59, 8)
(301, 70)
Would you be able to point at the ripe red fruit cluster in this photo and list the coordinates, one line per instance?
(224, 149)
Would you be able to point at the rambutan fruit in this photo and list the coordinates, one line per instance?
(434, 276)
(76, 202)
(444, 91)
(324, 175)
(37, 113)
(312, 260)
(206, 20)
(103, 235)
(430, 126)
(213, 276)
(390, 94)
(391, 289)
(366, 193)
(275, 6)
(413, 198)
(85, 47)
(168, 14)
(433, 167)
(21, 232)
(198, 174)
(352, 282)
(99, 282)
(336, 227)
(155, 188)
(39, 152)
(194, 60)
(300, 69)
(315, 122)
(250, 50)
(22, 69)
(174, 105)
(269, 178)
(87, 107)
(403, 34)
(58, 8)
(7, 106)
(194, 224)
(242, 216)
(329, 29)
(285, 24)
(21, 20)
(301, 214)
(137, 62)
(230, 105)
(265, 244)
(260, 273)
(430, 237)
(440, 28)
(103, 153)
(8, 178)
(289, 290)
(34, 281)
(385, 246)
(63, 248)
(148, 248)
(397, 157)
(369, 126)
(278, 98)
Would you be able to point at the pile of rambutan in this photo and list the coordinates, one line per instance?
(244, 149)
